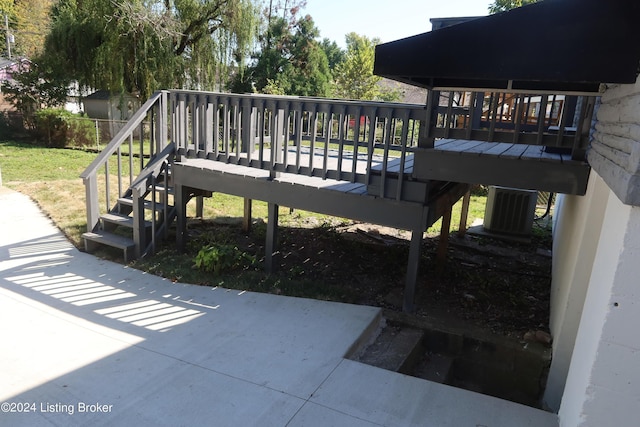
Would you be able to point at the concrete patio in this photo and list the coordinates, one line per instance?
(85, 341)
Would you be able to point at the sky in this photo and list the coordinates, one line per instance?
(387, 20)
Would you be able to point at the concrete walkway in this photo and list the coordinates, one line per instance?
(85, 341)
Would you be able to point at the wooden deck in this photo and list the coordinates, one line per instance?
(396, 165)
(530, 167)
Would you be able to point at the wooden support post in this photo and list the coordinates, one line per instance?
(139, 231)
(246, 221)
(464, 214)
(272, 236)
(181, 225)
(199, 207)
(443, 244)
(91, 194)
(415, 250)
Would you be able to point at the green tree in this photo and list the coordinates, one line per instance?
(503, 5)
(309, 71)
(32, 89)
(354, 78)
(334, 54)
(32, 20)
(291, 61)
(140, 46)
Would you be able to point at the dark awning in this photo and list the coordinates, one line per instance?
(553, 45)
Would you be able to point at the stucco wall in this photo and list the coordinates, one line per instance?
(576, 237)
(603, 385)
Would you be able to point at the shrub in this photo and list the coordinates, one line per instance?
(221, 258)
(60, 128)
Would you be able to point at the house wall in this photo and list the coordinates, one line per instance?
(597, 277)
(603, 384)
(575, 243)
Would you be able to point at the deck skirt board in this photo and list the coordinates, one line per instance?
(506, 164)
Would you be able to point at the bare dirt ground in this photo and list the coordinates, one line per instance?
(500, 286)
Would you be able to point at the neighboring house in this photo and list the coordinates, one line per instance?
(409, 94)
(112, 110)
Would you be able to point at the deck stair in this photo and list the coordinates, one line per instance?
(142, 215)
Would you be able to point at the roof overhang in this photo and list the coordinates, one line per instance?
(552, 46)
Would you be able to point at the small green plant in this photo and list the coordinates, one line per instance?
(220, 258)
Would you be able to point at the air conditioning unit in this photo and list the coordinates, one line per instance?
(510, 210)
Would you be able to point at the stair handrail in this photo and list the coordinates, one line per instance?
(121, 136)
(89, 175)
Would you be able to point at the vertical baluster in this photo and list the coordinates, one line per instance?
(356, 142)
(153, 216)
(107, 186)
(563, 125)
(216, 127)
(403, 152)
(518, 118)
(542, 114)
(550, 119)
(283, 132)
(527, 110)
(495, 98)
(273, 133)
(234, 125)
(151, 144)
(472, 114)
(328, 125)
(209, 130)
(386, 140)
(371, 114)
(247, 128)
(342, 123)
(131, 172)
(167, 167)
(299, 129)
(200, 119)
(313, 116)
(262, 125)
(226, 131)
(448, 121)
(119, 157)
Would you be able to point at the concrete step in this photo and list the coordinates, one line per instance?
(395, 349)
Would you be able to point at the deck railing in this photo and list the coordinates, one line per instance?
(327, 138)
(559, 121)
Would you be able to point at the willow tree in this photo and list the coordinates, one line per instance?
(140, 46)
